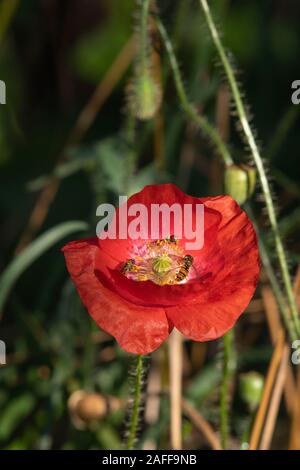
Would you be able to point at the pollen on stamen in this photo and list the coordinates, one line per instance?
(160, 261)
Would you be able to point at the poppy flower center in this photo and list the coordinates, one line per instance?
(163, 262)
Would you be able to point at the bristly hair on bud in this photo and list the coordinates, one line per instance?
(144, 95)
(144, 90)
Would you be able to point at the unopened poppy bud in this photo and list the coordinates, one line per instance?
(144, 96)
(239, 182)
(251, 385)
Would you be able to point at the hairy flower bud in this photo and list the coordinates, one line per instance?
(144, 96)
(239, 182)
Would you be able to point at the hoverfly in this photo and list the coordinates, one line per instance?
(128, 266)
(184, 269)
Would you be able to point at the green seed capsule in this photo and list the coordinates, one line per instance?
(144, 96)
(239, 182)
(251, 385)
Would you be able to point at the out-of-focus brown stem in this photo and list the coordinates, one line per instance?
(175, 390)
(275, 328)
(269, 383)
(294, 443)
(268, 430)
(103, 91)
(201, 424)
(7, 10)
(83, 123)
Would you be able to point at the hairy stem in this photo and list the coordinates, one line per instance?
(131, 153)
(258, 162)
(272, 277)
(143, 54)
(135, 411)
(277, 291)
(227, 373)
(187, 107)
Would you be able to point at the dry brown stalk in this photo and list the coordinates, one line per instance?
(175, 390)
(267, 433)
(269, 383)
(83, 123)
(294, 443)
(274, 323)
(201, 424)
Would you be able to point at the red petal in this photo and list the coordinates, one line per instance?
(148, 293)
(139, 330)
(160, 194)
(228, 292)
(202, 309)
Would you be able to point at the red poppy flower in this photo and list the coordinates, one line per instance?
(138, 290)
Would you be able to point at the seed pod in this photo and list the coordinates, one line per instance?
(92, 406)
(144, 96)
(86, 407)
(251, 385)
(239, 182)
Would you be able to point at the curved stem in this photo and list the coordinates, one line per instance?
(143, 62)
(227, 372)
(277, 290)
(258, 162)
(137, 395)
(131, 152)
(187, 107)
(8, 10)
(272, 277)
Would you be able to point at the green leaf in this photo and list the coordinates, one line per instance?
(90, 56)
(14, 412)
(32, 252)
(204, 383)
(148, 175)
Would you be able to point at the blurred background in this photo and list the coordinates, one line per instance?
(67, 144)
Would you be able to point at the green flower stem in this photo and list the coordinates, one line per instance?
(143, 56)
(246, 434)
(258, 162)
(229, 364)
(137, 396)
(187, 107)
(277, 291)
(131, 153)
(272, 278)
(285, 124)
